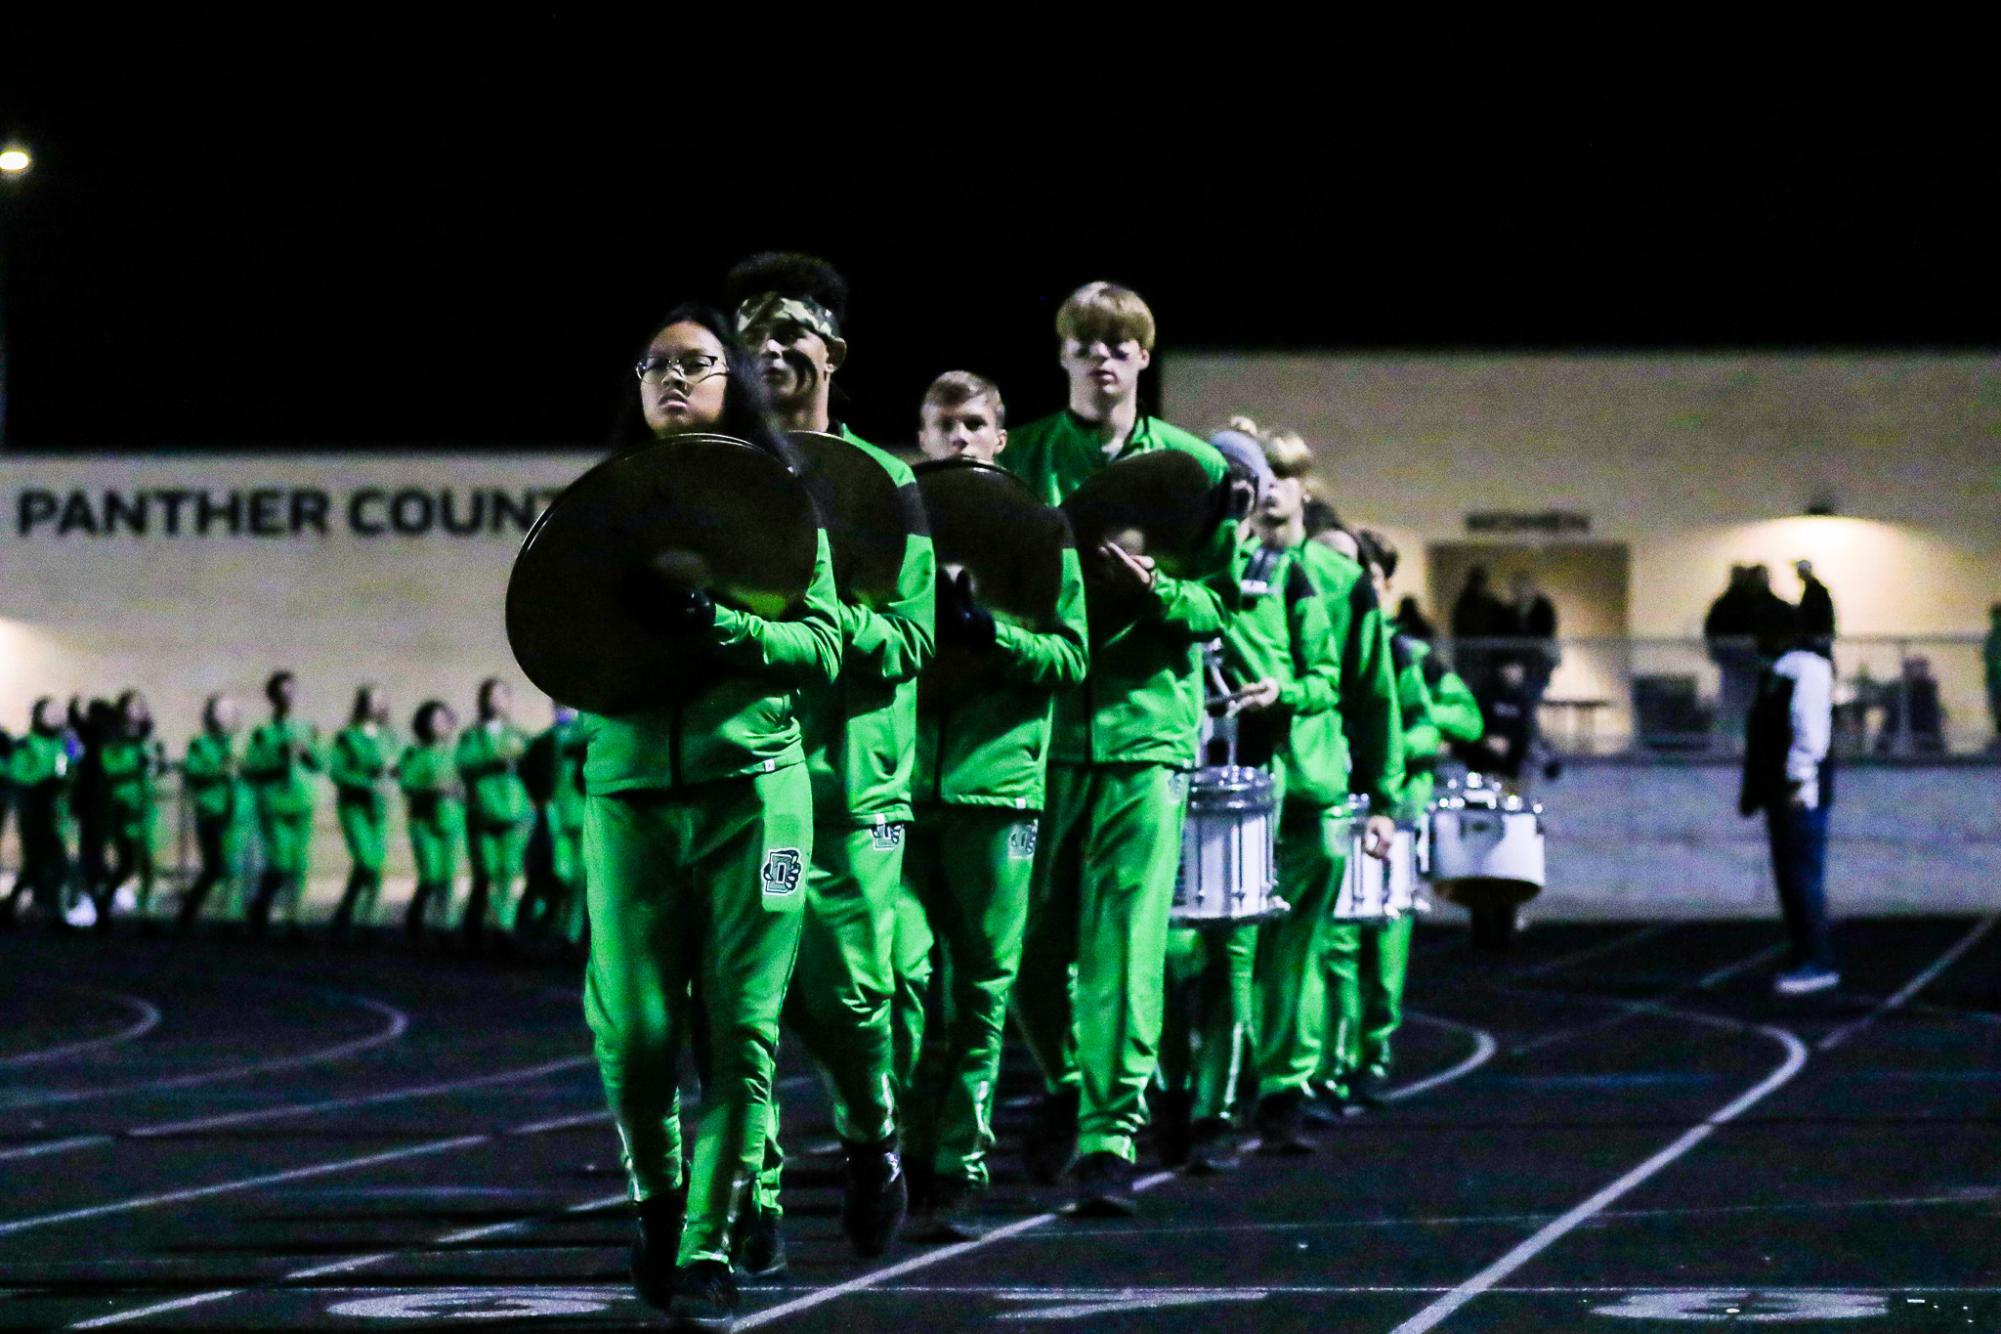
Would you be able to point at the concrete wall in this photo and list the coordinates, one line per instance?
(342, 568)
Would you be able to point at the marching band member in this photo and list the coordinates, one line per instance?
(1356, 750)
(38, 769)
(861, 733)
(489, 758)
(358, 763)
(553, 771)
(280, 760)
(221, 801)
(434, 811)
(1283, 671)
(1123, 745)
(980, 787)
(698, 825)
(132, 762)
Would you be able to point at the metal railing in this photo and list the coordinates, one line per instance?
(1897, 697)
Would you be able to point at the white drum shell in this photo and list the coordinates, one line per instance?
(1229, 861)
(1473, 843)
(1378, 891)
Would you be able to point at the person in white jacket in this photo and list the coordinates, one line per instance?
(1789, 775)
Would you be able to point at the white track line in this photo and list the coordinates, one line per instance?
(390, 1032)
(1484, 1046)
(1618, 942)
(148, 1020)
(1632, 1009)
(1911, 988)
(347, 1266)
(13, 1225)
(1557, 1228)
(205, 1123)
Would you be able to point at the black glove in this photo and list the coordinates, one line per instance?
(961, 619)
(689, 610)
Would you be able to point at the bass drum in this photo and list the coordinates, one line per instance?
(1229, 862)
(1487, 853)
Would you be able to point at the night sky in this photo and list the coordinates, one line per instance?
(460, 240)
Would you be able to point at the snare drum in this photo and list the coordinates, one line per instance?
(1487, 850)
(1371, 890)
(1229, 864)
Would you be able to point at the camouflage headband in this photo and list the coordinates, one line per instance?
(777, 308)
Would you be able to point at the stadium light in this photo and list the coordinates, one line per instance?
(15, 160)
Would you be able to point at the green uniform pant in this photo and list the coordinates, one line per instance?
(1205, 1043)
(364, 827)
(288, 845)
(840, 1000)
(1341, 1051)
(1384, 964)
(219, 844)
(912, 959)
(1291, 963)
(695, 906)
(132, 853)
(434, 847)
(968, 870)
(499, 857)
(1089, 998)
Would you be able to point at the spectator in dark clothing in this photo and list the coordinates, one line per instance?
(1508, 707)
(1531, 615)
(1917, 692)
(1816, 607)
(94, 725)
(1477, 615)
(1411, 621)
(1788, 775)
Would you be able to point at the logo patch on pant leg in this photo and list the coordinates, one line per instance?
(782, 869)
(888, 837)
(1021, 841)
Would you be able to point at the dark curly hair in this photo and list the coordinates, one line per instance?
(788, 273)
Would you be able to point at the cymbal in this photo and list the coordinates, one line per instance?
(1160, 504)
(869, 520)
(985, 521)
(694, 511)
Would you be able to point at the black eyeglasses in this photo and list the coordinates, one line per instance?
(694, 367)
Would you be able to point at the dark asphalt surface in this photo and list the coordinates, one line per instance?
(1610, 1128)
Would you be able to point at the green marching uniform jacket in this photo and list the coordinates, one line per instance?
(436, 816)
(357, 763)
(861, 731)
(210, 772)
(745, 723)
(279, 762)
(38, 769)
(1281, 634)
(131, 764)
(1141, 702)
(489, 762)
(1358, 747)
(1421, 739)
(993, 748)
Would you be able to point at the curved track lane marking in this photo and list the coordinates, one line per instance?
(398, 1023)
(148, 1020)
(1484, 1047)
(1795, 1060)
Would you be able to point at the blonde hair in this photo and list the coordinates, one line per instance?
(1108, 312)
(1288, 455)
(955, 388)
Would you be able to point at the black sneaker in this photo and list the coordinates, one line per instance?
(1214, 1147)
(1050, 1145)
(1172, 1139)
(950, 1213)
(704, 1297)
(1281, 1126)
(1370, 1085)
(656, 1243)
(757, 1246)
(877, 1195)
(1104, 1184)
(1328, 1105)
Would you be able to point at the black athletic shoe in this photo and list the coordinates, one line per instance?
(877, 1195)
(1104, 1184)
(758, 1246)
(656, 1242)
(704, 1297)
(1281, 1126)
(1172, 1139)
(1370, 1085)
(950, 1213)
(1215, 1147)
(1050, 1145)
